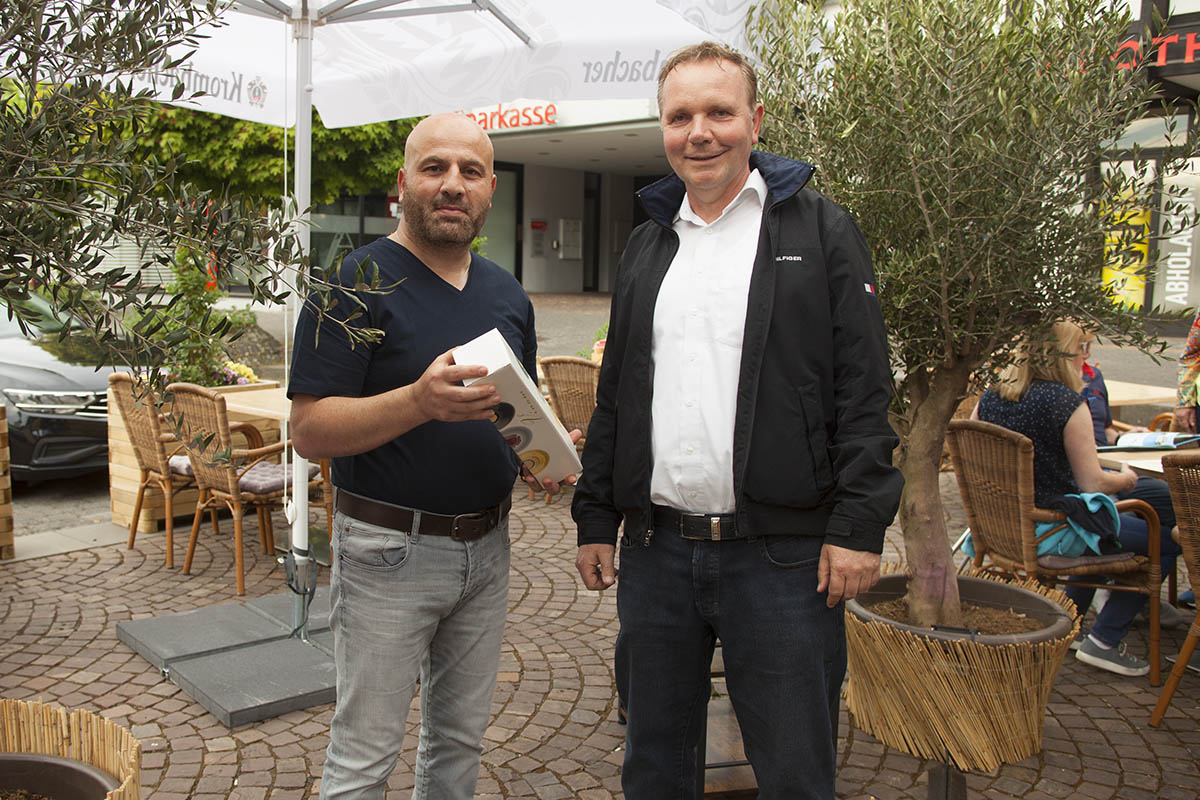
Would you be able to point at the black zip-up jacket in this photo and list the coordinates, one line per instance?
(812, 447)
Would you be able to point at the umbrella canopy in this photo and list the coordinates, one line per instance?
(375, 60)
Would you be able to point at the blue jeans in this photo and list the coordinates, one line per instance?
(1115, 619)
(404, 605)
(784, 652)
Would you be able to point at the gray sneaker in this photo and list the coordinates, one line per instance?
(1169, 617)
(1079, 639)
(1115, 659)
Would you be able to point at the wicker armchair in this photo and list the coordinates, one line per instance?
(229, 477)
(166, 471)
(1161, 422)
(994, 469)
(572, 382)
(1182, 471)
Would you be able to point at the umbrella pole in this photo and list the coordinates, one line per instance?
(301, 568)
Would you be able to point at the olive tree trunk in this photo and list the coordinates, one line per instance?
(933, 590)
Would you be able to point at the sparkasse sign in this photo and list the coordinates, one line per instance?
(521, 116)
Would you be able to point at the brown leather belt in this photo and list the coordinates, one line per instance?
(700, 527)
(460, 527)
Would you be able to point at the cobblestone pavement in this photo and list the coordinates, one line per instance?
(554, 732)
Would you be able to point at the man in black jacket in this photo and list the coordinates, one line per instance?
(741, 435)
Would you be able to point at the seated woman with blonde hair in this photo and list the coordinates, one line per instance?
(1038, 396)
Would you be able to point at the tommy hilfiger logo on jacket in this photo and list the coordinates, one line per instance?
(789, 258)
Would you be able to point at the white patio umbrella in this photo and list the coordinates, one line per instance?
(361, 61)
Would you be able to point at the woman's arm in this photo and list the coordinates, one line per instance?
(1080, 444)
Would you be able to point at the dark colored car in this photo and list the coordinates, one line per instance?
(56, 405)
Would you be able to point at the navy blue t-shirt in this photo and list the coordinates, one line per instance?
(442, 467)
(1041, 415)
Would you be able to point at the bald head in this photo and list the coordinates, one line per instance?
(456, 130)
(446, 184)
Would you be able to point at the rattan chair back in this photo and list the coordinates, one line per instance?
(571, 383)
(139, 412)
(1182, 473)
(202, 424)
(994, 469)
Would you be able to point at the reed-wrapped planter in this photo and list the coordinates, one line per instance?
(974, 701)
(73, 755)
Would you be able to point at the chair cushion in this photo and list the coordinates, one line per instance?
(181, 465)
(265, 478)
(1052, 562)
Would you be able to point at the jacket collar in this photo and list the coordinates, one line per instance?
(784, 178)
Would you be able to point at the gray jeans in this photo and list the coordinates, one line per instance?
(403, 606)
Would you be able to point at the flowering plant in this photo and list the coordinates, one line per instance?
(235, 372)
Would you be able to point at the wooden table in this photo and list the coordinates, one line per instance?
(264, 403)
(1123, 393)
(1143, 462)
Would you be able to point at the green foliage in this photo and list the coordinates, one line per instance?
(75, 179)
(199, 354)
(971, 140)
(601, 333)
(250, 158)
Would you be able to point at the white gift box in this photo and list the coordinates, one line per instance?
(523, 416)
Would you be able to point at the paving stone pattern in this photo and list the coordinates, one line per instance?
(554, 732)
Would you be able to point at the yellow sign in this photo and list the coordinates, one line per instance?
(1126, 249)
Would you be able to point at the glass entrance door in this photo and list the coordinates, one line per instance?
(503, 226)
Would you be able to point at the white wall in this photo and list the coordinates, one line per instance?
(551, 194)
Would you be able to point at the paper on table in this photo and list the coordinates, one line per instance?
(1153, 440)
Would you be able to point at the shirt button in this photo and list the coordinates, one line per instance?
(690, 451)
(689, 403)
(691, 357)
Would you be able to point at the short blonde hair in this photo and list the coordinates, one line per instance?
(710, 51)
(1046, 359)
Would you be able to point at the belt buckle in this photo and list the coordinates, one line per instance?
(454, 534)
(714, 527)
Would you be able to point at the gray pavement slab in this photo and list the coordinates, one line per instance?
(165, 640)
(66, 540)
(258, 681)
(279, 608)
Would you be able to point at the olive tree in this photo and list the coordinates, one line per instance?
(974, 142)
(76, 179)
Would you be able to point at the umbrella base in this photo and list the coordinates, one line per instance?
(239, 661)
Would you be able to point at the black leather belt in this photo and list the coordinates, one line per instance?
(701, 527)
(460, 527)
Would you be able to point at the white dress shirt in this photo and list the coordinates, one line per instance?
(697, 353)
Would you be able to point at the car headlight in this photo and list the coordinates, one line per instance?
(42, 401)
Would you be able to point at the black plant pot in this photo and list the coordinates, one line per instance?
(984, 592)
(54, 777)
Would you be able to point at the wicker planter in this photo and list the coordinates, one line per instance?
(124, 475)
(974, 701)
(6, 509)
(68, 756)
